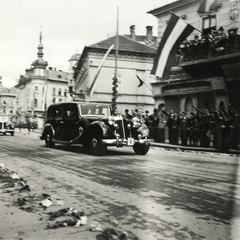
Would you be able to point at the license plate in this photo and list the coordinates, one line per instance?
(130, 141)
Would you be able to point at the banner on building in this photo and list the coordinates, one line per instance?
(176, 31)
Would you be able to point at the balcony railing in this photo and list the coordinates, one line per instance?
(207, 48)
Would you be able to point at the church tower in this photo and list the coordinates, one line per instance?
(40, 64)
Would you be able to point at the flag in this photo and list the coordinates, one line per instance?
(92, 87)
(140, 81)
(177, 30)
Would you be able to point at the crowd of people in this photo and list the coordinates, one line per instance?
(217, 129)
(213, 43)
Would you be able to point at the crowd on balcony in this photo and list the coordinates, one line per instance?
(216, 129)
(215, 43)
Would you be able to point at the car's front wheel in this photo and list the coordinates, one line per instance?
(49, 140)
(141, 149)
(95, 144)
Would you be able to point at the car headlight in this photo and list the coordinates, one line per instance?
(104, 129)
(136, 122)
(111, 120)
(144, 130)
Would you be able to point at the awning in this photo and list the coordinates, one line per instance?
(209, 6)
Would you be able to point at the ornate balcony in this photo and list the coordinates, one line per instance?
(209, 57)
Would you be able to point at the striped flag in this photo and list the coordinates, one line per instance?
(176, 31)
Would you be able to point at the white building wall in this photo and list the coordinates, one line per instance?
(130, 96)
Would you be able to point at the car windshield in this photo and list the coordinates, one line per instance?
(98, 109)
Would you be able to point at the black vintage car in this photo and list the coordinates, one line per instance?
(93, 126)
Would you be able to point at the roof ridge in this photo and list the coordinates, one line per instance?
(139, 42)
(101, 41)
(124, 38)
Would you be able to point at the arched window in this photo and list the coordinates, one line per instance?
(222, 106)
(60, 92)
(54, 91)
(188, 105)
(43, 90)
(65, 92)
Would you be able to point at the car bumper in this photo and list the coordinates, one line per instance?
(126, 142)
(6, 130)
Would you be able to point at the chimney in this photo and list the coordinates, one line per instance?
(132, 32)
(149, 33)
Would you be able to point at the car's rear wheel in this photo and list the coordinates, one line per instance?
(95, 144)
(49, 140)
(141, 149)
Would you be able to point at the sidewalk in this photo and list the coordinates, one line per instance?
(190, 148)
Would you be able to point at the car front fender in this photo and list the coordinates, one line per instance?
(98, 126)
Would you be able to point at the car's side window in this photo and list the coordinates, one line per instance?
(70, 112)
(57, 113)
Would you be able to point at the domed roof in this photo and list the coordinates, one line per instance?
(40, 63)
(75, 57)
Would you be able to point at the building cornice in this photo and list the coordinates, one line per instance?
(57, 80)
(171, 7)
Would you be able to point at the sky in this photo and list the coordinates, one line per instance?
(67, 27)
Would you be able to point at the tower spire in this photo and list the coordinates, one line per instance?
(40, 63)
(40, 46)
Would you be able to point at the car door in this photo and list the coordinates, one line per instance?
(69, 125)
(57, 121)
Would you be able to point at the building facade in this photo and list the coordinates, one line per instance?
(132, 64)
(206, 72)
(7, 101)
(38, 88)
(72, 65)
